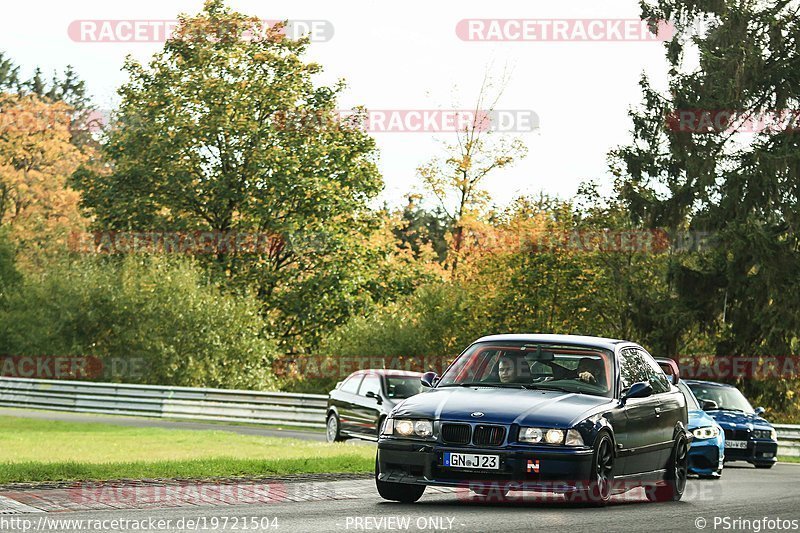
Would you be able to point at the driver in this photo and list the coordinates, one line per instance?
(590, 371)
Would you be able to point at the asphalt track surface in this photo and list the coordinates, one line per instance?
(745, 499)
(754, 498)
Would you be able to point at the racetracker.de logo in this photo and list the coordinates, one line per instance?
(553, 30)
(159, 31)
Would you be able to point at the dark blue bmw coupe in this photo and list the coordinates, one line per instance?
(585, 416)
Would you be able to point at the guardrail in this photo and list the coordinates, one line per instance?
(277, 408)
(221, 405)
(788, 439)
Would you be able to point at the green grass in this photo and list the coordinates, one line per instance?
(789, 459)
(43, 450)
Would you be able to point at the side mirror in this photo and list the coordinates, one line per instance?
(338, 384)
(429, 379)
(371, 394)
(640, 389)
(760, 411)
(709, 405)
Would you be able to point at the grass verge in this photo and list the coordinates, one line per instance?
(43, 450)
(787, 459)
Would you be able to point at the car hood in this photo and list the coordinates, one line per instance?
(502, 406)
(739, 420)
(699, 419)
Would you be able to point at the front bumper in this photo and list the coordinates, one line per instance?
(706, 457)
(557, 469)
(757, 452)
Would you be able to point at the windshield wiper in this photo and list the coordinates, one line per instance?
(499, 385)
(551, 387)
(720, 408)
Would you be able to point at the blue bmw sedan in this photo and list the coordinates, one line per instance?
(748, 436)
(585, 416)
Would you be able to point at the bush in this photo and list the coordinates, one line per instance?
(150, 320)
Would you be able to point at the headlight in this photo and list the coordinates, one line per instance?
(423, 428)
(707, 432)
(765, 434)
(550, 436)
(533, 435)
(554, 436)
(408, 428)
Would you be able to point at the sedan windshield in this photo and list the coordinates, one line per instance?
(727, 398)
(579, 369)
(402, 387)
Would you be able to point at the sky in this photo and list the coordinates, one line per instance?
(407, 56)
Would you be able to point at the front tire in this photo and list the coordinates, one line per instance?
(397, 492)
(767, 465)
(677, 473)
(602, 480)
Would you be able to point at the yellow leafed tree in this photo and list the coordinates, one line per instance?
(37, 206)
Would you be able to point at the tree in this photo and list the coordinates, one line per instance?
(36, 160)
(742, 187)
(457, 181)
(225, 130)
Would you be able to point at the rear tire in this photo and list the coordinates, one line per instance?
(397, 492)
(677, 472)
(332, 429)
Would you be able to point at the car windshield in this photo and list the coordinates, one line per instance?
(691, 402)
(402, 387)
(580, 369)
(727, 398)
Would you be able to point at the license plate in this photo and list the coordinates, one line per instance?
(740, 444)
(471, 460)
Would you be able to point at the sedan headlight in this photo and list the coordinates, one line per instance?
(408, 428)
(706, 432)
(550, 436)
(765, 434)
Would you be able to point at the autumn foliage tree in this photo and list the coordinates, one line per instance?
(225, 130)
(37, 159)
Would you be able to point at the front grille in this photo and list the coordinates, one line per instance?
(455, 433)
(739, 434)
(489, 435)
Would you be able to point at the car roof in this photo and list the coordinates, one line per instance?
(385, 371)
(711, 383)
(599, 342)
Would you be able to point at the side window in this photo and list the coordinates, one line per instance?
(351, 384)
(658, 380)
(632, 368)
(371, 383)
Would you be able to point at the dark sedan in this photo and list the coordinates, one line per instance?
(748, 437)
(359, 404)
(585, 416)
